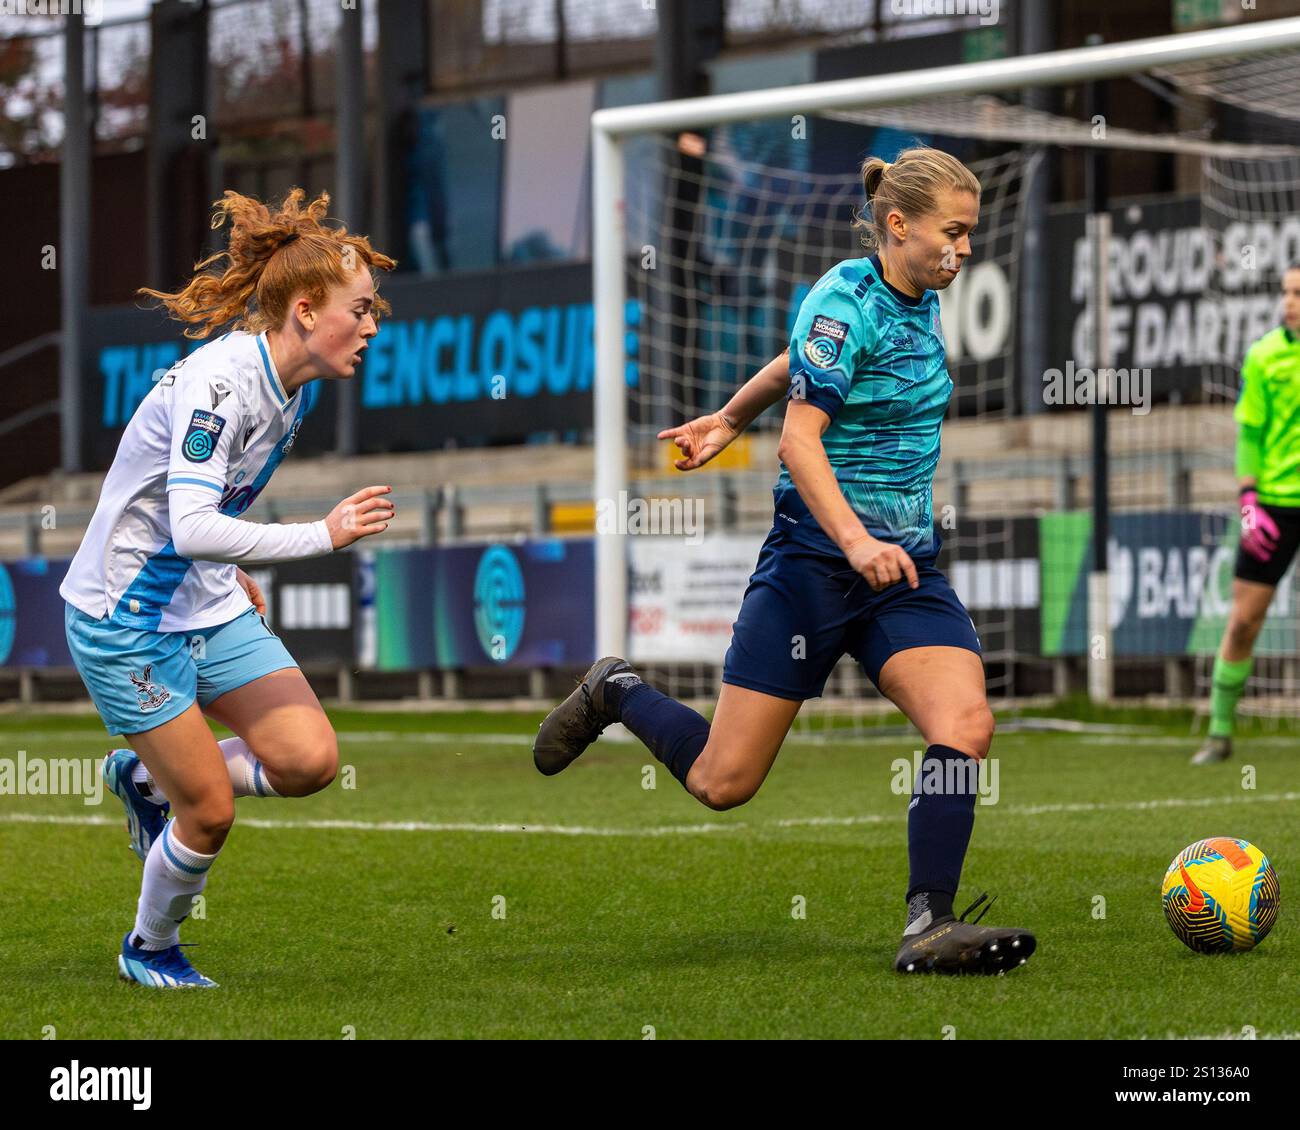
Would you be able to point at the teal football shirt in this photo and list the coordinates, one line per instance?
(871, 358)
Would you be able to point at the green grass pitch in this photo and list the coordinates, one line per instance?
(412, 905)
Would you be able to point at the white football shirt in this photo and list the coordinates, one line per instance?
(198, 450)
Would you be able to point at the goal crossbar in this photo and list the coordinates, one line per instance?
(1050, 68)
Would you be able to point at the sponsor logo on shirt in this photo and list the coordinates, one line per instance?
(825, 341)
(201, 436)
(291, 437)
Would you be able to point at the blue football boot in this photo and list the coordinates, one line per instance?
(159, 969)
(144, 819)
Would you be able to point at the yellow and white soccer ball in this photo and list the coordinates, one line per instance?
(1221, 895)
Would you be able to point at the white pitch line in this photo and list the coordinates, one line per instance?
(1174, 740)
(1049, 809)
(404, 826)
(432, 737)
(669, 829)
(617, 733)
(613, 734)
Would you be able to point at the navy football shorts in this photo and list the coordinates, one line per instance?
(803, 610)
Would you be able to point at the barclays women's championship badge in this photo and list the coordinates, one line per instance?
(825, 340)
(201, 437)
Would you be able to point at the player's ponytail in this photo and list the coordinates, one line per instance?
(873, 169)
(270, 257)
(910, 184)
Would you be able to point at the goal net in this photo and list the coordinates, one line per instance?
(715, 216)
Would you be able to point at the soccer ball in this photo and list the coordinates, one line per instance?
(1221, 895)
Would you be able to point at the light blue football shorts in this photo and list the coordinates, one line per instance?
(140, 679)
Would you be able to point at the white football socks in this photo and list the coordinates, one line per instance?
(151, 792)
(173, 875)
(247, 774)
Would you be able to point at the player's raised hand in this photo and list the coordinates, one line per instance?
(364, 513)
(700, 439)
(882, 563)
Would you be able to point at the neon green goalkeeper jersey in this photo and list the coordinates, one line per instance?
(1268, 415)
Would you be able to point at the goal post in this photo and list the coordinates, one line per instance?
(613, 129)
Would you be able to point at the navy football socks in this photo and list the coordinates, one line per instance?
(939, 823)
(674, 733)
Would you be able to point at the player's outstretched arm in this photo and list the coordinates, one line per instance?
(201, 532)
(702, 438)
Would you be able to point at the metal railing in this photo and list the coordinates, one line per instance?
(441, 511)
(12, 356)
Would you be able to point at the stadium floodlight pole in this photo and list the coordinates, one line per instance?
(349, 200)
(612, 125)
(74, 235)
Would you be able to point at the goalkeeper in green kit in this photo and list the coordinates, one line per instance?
(1268, 474)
